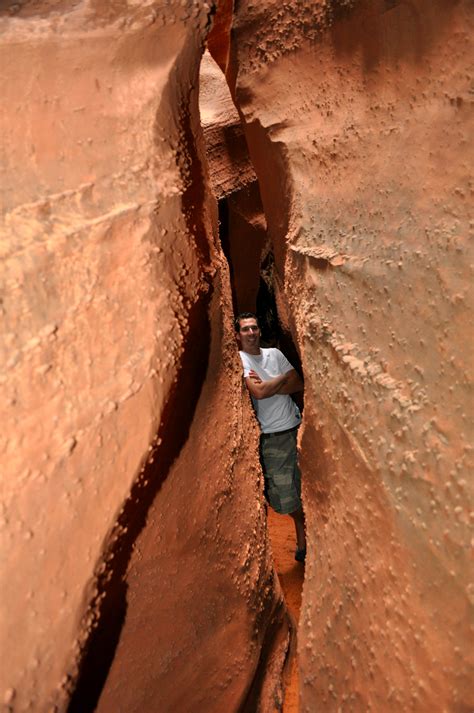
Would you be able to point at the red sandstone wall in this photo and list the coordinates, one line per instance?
(358, 118)
(132, 527)
(242, 226)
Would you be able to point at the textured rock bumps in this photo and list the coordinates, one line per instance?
(359, 136)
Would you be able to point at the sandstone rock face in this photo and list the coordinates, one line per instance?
(357, 118)
(232, 178)
(136, 563)
(136, 574)
(230, 168)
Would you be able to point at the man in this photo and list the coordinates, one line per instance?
(270, 379)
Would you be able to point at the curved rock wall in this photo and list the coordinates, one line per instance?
(357, 120)
(136, 572)
(136, 562)
(242, 226)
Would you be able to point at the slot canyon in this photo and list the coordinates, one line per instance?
(166, 164)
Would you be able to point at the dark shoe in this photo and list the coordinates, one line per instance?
(300, 555)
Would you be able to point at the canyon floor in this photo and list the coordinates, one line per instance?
(291, 576)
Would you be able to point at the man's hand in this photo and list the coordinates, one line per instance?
(293, 383)
(255, 377)
(286, 383)
(260, 389)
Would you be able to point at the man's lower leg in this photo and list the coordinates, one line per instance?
(298, 519)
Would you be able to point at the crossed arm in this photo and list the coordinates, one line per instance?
(286, 383)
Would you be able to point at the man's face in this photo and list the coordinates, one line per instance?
(249, 335)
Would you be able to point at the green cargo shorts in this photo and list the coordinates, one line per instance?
(279, 459)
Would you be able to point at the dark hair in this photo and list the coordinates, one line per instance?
(244, 315)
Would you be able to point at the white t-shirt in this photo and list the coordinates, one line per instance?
(279, 412)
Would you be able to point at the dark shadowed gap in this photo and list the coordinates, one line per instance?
(223, 212)
(266, 307)
(252, 698)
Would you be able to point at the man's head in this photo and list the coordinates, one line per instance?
(248, 332)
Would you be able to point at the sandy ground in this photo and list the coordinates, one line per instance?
(291, 575)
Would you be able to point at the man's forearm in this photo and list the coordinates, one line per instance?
(270, 387)
(292, 384)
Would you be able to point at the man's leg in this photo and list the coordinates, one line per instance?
(279, 460)
(298, 519)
